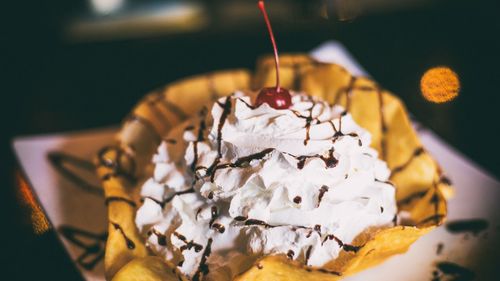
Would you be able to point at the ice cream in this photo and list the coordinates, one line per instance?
(240, 182)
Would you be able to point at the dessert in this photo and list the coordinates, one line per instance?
(319, 181)
(246, 181)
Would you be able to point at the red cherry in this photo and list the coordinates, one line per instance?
(277, 98)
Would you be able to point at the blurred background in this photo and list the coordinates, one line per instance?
(79, 64)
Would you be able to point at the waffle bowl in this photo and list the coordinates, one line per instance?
(421, 188)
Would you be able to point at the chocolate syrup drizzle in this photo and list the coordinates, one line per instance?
(330, 160)
(417, 152)
(116, 164)
(130, 243)
(188, 244)
(93, 251)
(119, 199)
(226, 106)
(474, 226)
(161, 97)
(322, 191)
(58, 161)
(452, 271)
(200, 137)
(308, 254)
(164, 121)
(146, 123)
(240, 162)
(383, 125)
(168, 199)
(346, 247)
(315, 229)
(203, 267)
(162, 238)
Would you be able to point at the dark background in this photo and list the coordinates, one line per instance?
(51, 84)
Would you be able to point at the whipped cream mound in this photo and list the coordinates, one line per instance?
(240, 182)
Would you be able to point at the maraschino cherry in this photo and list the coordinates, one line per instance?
(277, 97)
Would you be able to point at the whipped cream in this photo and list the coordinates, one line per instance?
(241, 182)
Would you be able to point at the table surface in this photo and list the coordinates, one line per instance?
(53, 85)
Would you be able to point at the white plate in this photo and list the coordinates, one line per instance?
(73, 205)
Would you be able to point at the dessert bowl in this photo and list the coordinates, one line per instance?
(420, 186)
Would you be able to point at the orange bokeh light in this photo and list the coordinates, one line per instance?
(440, 84)
(38, 220)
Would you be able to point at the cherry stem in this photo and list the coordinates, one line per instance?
(271, 35)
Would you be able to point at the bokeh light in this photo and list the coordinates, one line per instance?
(440, 84)
(38, 220)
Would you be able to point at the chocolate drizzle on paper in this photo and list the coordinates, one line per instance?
(62, 162)
(93, 245)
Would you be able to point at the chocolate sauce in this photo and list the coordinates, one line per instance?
(215, 213)
(158, 113)
(317, 228)
(240, 162)
(445, 180)
(330, 160)
(407, 200)
(322, 192)
(188, 244)
(383, 125)
(162, 238)
(308, 254)
(161, 98)
(322, 270)
(164, 202)
(119, 199)
(130, 243)
(473, 226)
(173, 108)
(93, 251)
(255, 222)
(395, 219)
(146, 123)
(290, 254)
(347, 90)
(170, 141)
(386, 182)
(210, 195)
(200, 137)
(198, 212)
(225, 112)
(240, 218)
(417, 152)
(219, 227)
(116, 164)
(344, 246)
(297, 200)
(58, 161)
(439, 248)
(248, 105)
(226, 106)
(436, 218)
(203, 267)
(453, 271)
(308, 119)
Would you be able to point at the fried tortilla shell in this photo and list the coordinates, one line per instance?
(418, 179)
